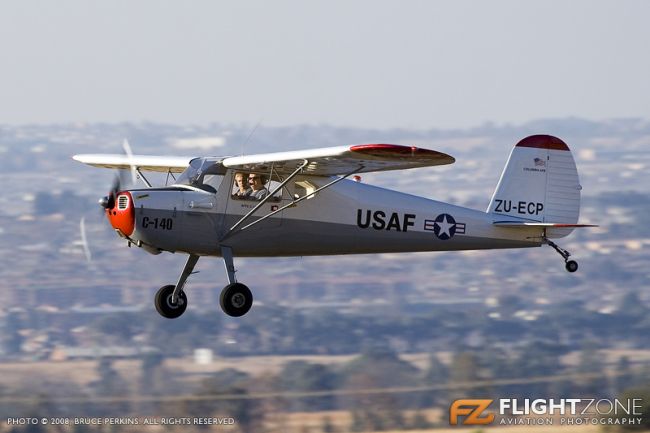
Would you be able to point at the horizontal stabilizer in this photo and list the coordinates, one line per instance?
(539, 224)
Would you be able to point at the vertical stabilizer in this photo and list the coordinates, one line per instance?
(539, 183)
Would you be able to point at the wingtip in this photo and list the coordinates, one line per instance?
(82, 158)
(382, 149)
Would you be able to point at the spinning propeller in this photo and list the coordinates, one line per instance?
(121, 179)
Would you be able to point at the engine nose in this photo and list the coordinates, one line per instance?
(122, 214)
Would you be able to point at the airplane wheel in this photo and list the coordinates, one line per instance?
(571, 266)
(236, 299)
(163, 302)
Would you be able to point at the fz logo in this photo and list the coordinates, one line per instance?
(472, 409)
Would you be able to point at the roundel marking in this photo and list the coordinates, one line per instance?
(444, 227)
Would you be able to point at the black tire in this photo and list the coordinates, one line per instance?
(571, 266)
(236, 299)
(164, 306)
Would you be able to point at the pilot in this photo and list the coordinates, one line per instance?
(243, 189)
(257, 182)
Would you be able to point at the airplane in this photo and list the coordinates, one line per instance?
(308, 205)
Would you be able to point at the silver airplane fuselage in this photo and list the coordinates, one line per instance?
(346, 218)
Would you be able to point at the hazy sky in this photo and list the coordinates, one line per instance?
(375, 63)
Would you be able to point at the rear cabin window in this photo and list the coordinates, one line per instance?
(302, 188)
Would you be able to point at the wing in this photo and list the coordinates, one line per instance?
(175, 164)
(330, 161)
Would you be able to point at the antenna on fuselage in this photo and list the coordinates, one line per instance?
(249, 136)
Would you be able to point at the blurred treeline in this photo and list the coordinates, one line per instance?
(380, 390)
(512, 323)
(567, 351)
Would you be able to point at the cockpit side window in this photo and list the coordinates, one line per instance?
(204, 174)
(253, 186)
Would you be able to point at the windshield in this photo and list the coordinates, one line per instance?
(203, 173)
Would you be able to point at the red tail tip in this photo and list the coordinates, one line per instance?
(543, 142)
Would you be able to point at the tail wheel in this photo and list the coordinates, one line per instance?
(236, 299)
(164, 305)
(571, 266)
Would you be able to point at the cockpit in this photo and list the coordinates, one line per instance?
(203, 173)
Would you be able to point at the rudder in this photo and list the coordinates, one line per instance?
(539, 183)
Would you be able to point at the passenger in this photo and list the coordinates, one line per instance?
(257, 182)
(243, 189)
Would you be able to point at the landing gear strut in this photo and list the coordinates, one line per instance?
(236, 299)
(171, 301)
(570, 265)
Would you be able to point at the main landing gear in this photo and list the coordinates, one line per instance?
(235, 300)
(570, 265)
(171, 301)
(164, 304)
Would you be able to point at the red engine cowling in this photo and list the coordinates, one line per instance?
(122, 214)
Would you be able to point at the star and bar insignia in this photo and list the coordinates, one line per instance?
(444, 226)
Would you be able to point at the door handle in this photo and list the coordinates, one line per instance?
(204, 205)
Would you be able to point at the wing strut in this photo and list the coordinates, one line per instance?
(265, 199)
(293, 202)
(169, 173)
(338, 179)
(144, 179)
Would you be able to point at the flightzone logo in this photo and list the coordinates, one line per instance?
(472, 410)
(540, 411)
